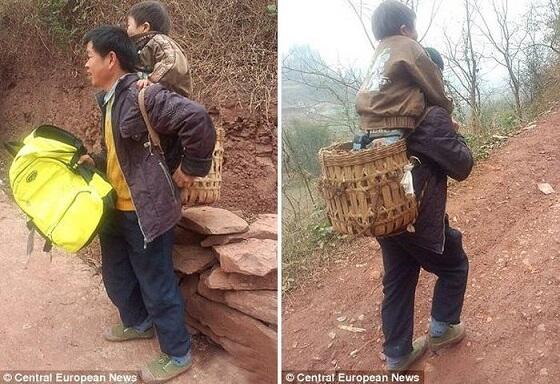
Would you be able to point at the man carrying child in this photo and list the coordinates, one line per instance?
(404, 97)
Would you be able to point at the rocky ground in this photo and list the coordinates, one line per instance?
(53, 315)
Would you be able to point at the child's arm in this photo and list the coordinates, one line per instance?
(428, 76)
(166, 60)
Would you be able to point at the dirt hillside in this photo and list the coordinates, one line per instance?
(44, 81)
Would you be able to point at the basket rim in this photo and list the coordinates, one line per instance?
(335, 155)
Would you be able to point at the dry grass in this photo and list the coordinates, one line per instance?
(231, 44)
(549, 94)
(235, 42)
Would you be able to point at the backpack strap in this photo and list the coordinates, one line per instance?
(153, 136)
(47, 247)
(58, 134)
(12, 147)
(30, 239)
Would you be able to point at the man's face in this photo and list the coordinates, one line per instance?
(100, 69)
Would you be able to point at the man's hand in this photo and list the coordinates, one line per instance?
(456, 125)
(143, 83)
(182, 179)
(86, 159)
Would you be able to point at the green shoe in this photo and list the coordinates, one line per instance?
(419, 346)
(163, 369)
(121, 333)
(454, 334)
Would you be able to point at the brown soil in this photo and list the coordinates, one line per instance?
(512, 312)
(53, 316)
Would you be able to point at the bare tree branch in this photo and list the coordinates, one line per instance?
(433, 14)
(359, 16)
(464, 64)
(508, 46)
(549, 46)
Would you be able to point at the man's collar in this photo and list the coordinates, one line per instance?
(123, 81)
(111, 92)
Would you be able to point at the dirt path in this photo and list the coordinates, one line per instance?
(52, 316)
(512, 308)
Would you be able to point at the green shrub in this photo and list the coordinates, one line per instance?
(303, 140)
(307, 240)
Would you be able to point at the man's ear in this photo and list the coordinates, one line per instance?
(146, 27)
(112, 59)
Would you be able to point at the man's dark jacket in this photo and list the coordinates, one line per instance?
(187, 133)
(442, 152)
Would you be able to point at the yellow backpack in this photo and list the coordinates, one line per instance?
(64, 202)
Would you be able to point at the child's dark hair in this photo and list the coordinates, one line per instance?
(107, 38)
(388, 18)
(152, 12)
(435, 56)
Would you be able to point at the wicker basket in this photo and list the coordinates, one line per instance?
(362, 189)
(206, 190)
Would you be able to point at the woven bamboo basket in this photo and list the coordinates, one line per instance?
(362, 189)
(206, 190)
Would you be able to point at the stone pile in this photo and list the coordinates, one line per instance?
(228, 272)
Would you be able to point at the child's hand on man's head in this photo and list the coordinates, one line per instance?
(143, 83)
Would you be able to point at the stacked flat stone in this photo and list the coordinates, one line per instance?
(228, 272)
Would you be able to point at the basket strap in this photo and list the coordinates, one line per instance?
(153, 135)
(13, 147)
(421, 197)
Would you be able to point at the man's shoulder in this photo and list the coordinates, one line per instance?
(127, 83)
(436, 112)
(130, 93)
(158, 94)
(436, 121)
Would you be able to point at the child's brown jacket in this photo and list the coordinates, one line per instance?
(401, 82)
(164, 61)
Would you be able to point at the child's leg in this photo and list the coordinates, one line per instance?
(399, 287)
(394, 135)
(387, 136)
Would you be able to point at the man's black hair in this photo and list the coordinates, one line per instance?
(388, 18)
(435, 56)
(152, 12)
(107, 38)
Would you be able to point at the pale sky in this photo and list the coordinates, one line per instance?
(332, 27)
